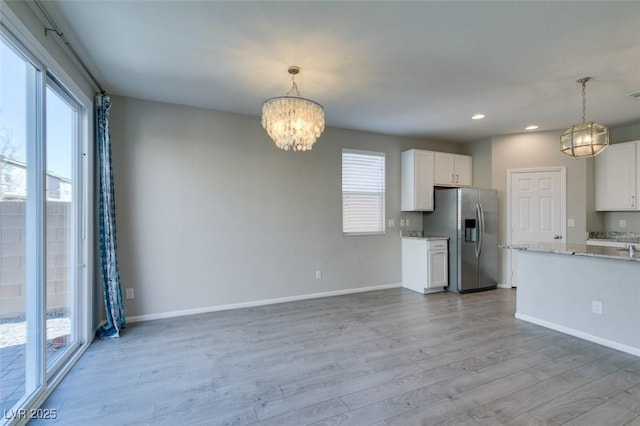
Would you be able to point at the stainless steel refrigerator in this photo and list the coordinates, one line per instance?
(469, 217)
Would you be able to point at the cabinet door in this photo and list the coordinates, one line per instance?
(416, 193)
(444, 169)
(463, 170)
(414, 267)
(616, 178)
(424, 181)
(437, 266)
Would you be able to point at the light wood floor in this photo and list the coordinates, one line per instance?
(389, 357)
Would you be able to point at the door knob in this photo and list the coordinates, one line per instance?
(557, 237)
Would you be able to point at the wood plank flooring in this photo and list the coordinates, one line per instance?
(390, 357)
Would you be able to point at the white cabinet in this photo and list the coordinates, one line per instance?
(618, 177)
(417, 180)
(425, 264)
(452, 169)
(437, 263)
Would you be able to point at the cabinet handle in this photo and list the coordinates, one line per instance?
(457, 178)
(633, 201)
(452, 179)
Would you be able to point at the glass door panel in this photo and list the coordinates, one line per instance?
(61, 206)
(18, 375)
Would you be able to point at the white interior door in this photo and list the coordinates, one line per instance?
(536, 203)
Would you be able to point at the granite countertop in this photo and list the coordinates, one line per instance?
(425, 237)
(419, 235)
(577, 250)
(615, 237)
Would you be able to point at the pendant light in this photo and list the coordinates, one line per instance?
(586, 139)
(294, 123)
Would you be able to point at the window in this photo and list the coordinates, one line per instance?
(363, 187)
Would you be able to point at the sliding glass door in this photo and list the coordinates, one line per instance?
(44, 289)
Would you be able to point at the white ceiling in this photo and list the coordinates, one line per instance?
(406, 68)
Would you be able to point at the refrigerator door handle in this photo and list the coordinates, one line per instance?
(476, 247)
(481, 233)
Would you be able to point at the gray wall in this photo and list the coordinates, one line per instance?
(481, 153)
(625, 133)
(211, 213)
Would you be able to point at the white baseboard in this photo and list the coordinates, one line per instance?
(180, 313)
(504, 286)
(580, 334)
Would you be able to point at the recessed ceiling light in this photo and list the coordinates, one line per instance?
(478, 117)
(532, 127)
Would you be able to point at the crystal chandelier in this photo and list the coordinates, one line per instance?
(294, 123)
(586, 139)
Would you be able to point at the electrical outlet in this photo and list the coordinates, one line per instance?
(318, 275)
(622, 223)
(129, 293)
(401, 223)
(392, 223)
(408, 222)
(596, 307)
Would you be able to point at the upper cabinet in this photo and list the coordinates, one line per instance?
(618, 177)
(452, 169)
(417, 181)
(422, 170)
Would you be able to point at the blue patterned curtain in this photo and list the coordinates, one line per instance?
(108, 245)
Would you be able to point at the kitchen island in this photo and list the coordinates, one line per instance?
(589, 292)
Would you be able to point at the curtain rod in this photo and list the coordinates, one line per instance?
(60, 34)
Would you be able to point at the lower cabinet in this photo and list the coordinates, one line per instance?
(425, 264)
(437, 268)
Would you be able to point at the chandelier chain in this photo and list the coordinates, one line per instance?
(584, 100)
(293, 71)
(294, 88)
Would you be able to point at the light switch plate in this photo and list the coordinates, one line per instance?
(392, 223)
(571, 223)
(622, 223)
(401, 222)
(408, 222)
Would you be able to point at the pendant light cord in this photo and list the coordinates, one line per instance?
(584, 100)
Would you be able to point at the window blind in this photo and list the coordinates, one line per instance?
(363, 192)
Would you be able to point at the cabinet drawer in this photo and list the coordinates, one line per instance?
(437, 245)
